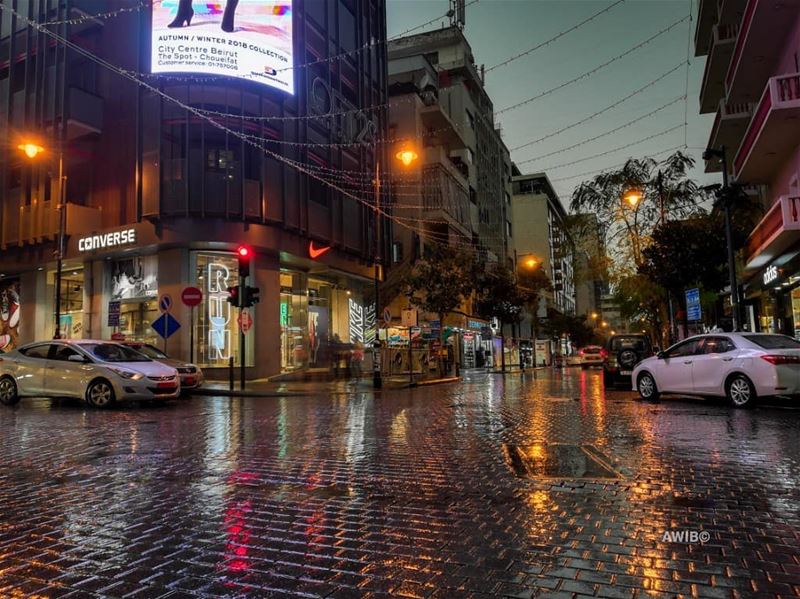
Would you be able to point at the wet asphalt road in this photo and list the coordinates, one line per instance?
(493, 487)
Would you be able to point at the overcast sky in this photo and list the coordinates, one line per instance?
(500, 29)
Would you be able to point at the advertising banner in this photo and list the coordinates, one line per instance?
(9, 315)
(246, 39)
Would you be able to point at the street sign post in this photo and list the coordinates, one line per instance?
(165, 302)
(165, 325)
(191, 296)
(113, 313)
(245, 321)
(693, 311)
(387, 317)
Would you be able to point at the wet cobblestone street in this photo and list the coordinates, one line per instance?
(498, 486)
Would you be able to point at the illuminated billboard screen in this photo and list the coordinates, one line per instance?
(246, 39)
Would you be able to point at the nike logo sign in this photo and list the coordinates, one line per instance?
(316, 252)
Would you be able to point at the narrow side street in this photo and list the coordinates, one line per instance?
(499, 486)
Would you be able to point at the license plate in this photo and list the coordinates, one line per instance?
(625, 372)
(189, 381)
(166, 385)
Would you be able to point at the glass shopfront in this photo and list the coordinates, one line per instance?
(134, 284)
(72, 289)
(9, 314)
(216, 331)
(324, 323)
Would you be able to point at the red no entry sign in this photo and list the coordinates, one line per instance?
(191, 296)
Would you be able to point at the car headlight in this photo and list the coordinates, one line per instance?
(127, 374)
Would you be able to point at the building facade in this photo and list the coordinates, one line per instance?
(752, 81)
(167, 176)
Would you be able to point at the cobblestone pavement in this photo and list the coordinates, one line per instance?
(493, 487)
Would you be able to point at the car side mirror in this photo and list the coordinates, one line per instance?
(660, 355)
(79, 359)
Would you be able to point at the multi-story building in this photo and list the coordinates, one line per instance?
(439, 102)
(458, 190)
(166, 176)
(590, 265)
(539, 220)
(752, 80)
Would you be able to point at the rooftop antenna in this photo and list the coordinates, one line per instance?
(457, 13)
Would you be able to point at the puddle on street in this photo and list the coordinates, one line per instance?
(550, 460)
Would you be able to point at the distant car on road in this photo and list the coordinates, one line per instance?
(591, 355)
(740, 366)
(191, 375)
(99, 372)
(622, 353)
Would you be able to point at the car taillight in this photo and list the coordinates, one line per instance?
(779, 359)
(603, 354)
(581, 352)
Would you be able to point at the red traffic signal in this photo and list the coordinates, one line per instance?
(244, 253)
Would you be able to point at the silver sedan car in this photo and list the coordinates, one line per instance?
(99, 372)
(191, 375)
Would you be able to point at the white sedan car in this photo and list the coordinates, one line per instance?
(739, 366)
(99, 372)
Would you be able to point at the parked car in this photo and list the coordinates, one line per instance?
(621, 353)
(591, 355)
(191, 375)
(740, 366)
(99, 372)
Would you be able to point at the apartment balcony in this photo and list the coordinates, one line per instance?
(446, 131)
(773, 131)
(730, 12)
(85, 113)
(445, 199)
(763, 35)
(774, 233)
(38, 222)
(723, 39)
(729, 128)
(706, 17)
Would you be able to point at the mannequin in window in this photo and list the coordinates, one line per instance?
(186, 12)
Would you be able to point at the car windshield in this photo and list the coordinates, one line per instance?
(151, 352)
(636, 343)
(113, 352)
(773, 341)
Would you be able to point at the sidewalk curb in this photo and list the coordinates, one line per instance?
(209, 392)
(452, 379)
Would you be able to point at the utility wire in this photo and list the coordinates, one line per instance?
(599, 112)
(593, 71)
(555, 37)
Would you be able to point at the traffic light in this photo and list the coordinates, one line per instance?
(252, 296)
(245, 255)
(233, 296)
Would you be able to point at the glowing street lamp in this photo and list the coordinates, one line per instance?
(604, 324)
(407, 156)
(593, 315)
(633, 196)
(32, 150)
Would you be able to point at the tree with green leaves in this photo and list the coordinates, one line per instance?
(500, 297)
(569, 325)
(662, 188)
(441, 281)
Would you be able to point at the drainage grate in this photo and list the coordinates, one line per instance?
(553, 460)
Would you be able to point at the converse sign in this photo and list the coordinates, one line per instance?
(107, 240)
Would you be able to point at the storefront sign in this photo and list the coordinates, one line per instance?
(107, 240)
(693, 311)
(770, 274)
(408, 318)
(219, 312)
(113, 313)
(134, 278)
(475, 324)
(356, 319)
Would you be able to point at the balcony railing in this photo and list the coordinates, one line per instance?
(38, 222)
(776, 229)
(442, 191)
(779, 90)
(749, 12)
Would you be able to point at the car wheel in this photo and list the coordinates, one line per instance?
(646, 385)
(9, 395)
(740, 392)
(100, 394)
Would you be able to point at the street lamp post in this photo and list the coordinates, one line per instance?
(32, 150)
(407, 156)
(725, 196)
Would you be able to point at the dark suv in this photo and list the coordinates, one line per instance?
(621, 354)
